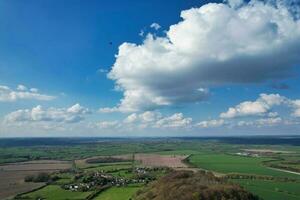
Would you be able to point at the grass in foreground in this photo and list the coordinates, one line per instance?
(118, 193)
(272, 190)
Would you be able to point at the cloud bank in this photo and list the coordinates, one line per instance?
(264, 113)
(214, 45)
(258, 113)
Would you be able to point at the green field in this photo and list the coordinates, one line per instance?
(72, 152)
(55, 192)
(118, 193)
(124, 173)
(272, 190)
(224, 163)
(64, 178)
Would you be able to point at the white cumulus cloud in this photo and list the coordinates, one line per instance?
(156, 26)
(72, 114)
(9, 95)
(269, 121)
(255, 108)
(21, 88)
(211, 123)
(157, 120)
(176, 120)
(108, 124)
(296, 106)
(215, 44)
(263, 106)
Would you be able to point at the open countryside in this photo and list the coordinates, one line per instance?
(123, 176)
(150, 100)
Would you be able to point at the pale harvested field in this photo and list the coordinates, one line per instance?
(151, 160)
(172, 161)
(147, 160)
(12, 175)
(156, 160)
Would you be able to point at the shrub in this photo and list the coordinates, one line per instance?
(40, 177)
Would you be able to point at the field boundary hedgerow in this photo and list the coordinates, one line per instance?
(97, 192)
(19, 196)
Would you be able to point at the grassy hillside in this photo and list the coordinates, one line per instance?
(118, 193)
(186, 185)
(274, 190)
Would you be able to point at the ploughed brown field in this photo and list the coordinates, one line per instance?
(12, 175)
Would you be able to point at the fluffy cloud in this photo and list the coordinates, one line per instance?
(131, 118)
(156, 26)
(211, 123)
(296, 106)
(157, 120)
(107, 124)
(34, 90)
(253, 108)
(263, 122)
(72, 114)
(263, 107)
(21, 88)
(235, 3)
(215, 44)
(269, 121)
(139, 124)
(245, 109)
(176, 120)
(9, 95)
(102, 70)
(261, 113)
(255, 123)
(108, 110)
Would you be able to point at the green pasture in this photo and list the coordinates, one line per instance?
(55, 192)
(272, 190)
(224, 163)
(123, 173)
(118, 193)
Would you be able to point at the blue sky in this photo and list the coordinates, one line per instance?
(138, 68)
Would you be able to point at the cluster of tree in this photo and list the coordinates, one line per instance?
(69, 170)
(292, 162)
(88, 178)
(258, 177)
(285, 167)
(105, 160)
(187, 185)
(40, 177)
